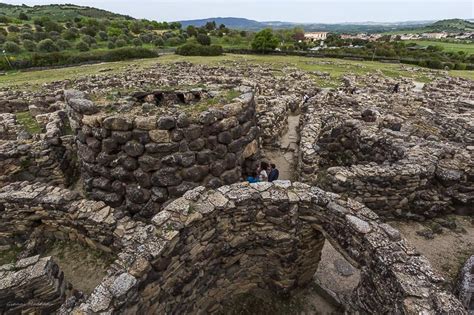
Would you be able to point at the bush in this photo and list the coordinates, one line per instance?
(103, 35)
(11, 47)
(63, 44)
(89, 39)
(47, 45)
(120, 43)
(159, 42)
(4, 19)
(137, 42)
(82, 46)
(13, 29)
(29, 45)
(203, 39)
(71, 34)
(199, 50)
(110, 45)
(23, 16)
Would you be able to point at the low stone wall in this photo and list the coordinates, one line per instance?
(272, 114)
(13, 105)
(138, 162)
(209, 245)
(32, 286)
(61, 214)
(371, 160)
(9, 128)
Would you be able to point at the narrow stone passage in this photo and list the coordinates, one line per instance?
(284, 156)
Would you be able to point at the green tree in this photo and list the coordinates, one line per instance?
(29, 45)
(82, 46)
(191, 30)
(137, 42)
(265, 41)
(203, 39)
(23, 16)
(11, 47)
(47, 45)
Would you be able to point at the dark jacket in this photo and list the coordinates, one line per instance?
(274, 173)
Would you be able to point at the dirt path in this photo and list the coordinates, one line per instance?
(284, 157)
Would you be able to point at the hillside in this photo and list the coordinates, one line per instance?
(58, 12)
(452, 25)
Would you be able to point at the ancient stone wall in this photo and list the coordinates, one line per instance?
(60, 214)
(32, 286)
(48, 158)
(209, 245)
(272, 114)
(370, 159)
(138, 162)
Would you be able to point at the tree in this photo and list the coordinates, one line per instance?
(191, 30)
(82, 46)
(210, 26)
(63, 44)
(13, 29)
(265, 41)
(23, 16)
(11, 47)
(47, 45)
(103, 35)
(71, 34)
(137, 42)
(29, 45)
(203, 39)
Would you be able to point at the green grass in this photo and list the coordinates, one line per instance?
(335, 67)
(28, 122)
(9, 256)
(447, 46)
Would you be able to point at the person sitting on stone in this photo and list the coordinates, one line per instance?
(263, 171)
(274, 173)
(253, 178)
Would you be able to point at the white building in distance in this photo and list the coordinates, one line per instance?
(315, 36)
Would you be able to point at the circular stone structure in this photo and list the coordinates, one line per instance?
(145, 149)
(210, 245)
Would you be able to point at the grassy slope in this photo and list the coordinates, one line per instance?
(335, 67)
(468, 48)
(60, 13)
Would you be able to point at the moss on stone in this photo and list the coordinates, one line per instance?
(28, 122)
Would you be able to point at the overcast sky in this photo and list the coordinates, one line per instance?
(324, 11)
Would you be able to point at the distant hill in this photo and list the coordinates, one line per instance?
(452, 25)
(59, 12)
(252, 25)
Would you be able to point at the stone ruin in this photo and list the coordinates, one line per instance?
(152, 170)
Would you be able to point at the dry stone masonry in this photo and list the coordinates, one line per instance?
(147, 166)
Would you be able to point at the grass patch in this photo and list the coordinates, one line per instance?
(447, 46)
(9, 256)
(28, 122)
(335, 67)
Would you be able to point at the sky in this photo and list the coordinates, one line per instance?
(316, 11)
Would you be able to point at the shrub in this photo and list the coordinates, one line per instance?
(51, 26)
(137, 42)
(159, 42)
(110, 45)
(120, 43)
(29, 45)
(11, 47)
(13, 29)
(71, 34)
(103, 35)
(146, 38)
(47, 45)
(2, 39)
(4, 19)
(203, 39)
(27, 36)
(89, 39)
(23, 16)
(460, 66)
(199, 50)
(63, 44)
(82, 46)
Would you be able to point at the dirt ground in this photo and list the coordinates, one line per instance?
(448, 251)
(83, 267)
